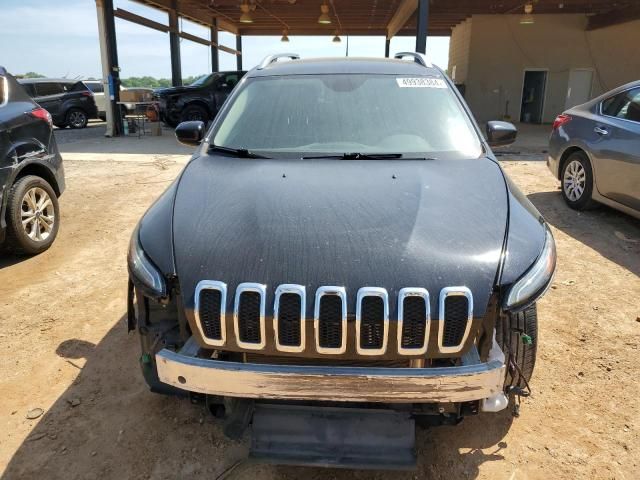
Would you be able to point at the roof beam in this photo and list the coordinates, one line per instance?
(401, 16)
(137, 19)
(614, 17)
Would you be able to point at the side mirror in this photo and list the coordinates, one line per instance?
(190, 133)
(501, 133)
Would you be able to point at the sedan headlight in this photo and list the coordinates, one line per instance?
(144, 273)
(535, 282)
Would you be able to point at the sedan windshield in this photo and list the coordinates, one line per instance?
(348, 113)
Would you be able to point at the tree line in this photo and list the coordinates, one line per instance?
(144, 82)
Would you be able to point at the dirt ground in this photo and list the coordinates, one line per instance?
(64, 349)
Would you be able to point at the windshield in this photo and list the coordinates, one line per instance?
(202, 80)
(336, 114)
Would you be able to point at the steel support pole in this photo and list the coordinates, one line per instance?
(110, 68)
(387, 45)
(174, 45)
(215, 53)
(239, 49)
(422, 26)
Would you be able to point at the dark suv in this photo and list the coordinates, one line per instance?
(70, 103)
(31, 172)
(199, 101)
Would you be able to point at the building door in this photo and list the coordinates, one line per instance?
(533, 89)
(579, 90)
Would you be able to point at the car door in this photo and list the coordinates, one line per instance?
(615, 148)
(49, 97)
(224, 85)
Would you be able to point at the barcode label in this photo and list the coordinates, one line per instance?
(421, 82)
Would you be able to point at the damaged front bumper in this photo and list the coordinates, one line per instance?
(472, 380)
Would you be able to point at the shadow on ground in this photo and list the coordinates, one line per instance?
(614, 235)
(108, 425)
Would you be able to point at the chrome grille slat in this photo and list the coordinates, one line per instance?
(245, 305)
(372, 321)
(289, 318)
(202, 320)
(320, 320)
(450, 324)
(413, 331)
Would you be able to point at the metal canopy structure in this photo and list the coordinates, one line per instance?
(386, 18)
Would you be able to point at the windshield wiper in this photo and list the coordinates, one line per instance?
(358, 156)
(238, 152)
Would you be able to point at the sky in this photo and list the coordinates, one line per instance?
(39, 36)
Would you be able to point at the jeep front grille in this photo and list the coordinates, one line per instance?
(372, 316)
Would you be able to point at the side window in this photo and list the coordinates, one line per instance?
(95, 87)
(76, 87)
(624, 105)
(231, 80)
(48, 88)
(30, 89)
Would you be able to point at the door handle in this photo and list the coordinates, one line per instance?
(601, 131)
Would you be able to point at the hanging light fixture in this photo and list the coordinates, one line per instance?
(246, 16)
(324, 17)
(336, 38)
(285, 35)
(527, 18)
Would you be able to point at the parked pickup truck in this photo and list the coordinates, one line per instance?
(199, 101)
(342, 258)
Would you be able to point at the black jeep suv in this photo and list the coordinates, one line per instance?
(199, 101)
(342, 257)
(31, 172)
(70, 103)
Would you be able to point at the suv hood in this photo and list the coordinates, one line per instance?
(164, 92)
(355, 223)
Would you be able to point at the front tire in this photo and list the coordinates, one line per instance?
(77, 118)
(577, 181)
(194, 113)
(517, 335)
(33, 216)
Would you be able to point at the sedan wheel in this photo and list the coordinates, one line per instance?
(577, 181)
(574, 180)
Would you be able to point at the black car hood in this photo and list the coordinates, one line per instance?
(391, 224)
(164, 92)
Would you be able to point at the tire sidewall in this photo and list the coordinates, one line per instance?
(23, 243)
(190, 108)
(74, 110)
(585, 200)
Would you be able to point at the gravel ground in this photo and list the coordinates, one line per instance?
(64, 349)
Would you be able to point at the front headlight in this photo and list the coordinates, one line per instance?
(535, 282)
(144, 273)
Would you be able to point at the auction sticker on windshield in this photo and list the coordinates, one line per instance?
(421, 82)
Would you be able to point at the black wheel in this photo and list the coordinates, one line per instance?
(77, 118)
(33, 216)
(194, 112)
(517, 335)
(577, 181)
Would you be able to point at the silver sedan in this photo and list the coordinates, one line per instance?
(594, 150)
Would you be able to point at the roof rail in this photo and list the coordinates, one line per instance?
(417, 57)
(269, 59)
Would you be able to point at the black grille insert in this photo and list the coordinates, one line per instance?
(456, 310)
(209, 304)
(372, 323)
(249, 317)
(289, 319)
(414, 322)
(330, 322)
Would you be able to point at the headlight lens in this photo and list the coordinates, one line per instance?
(535, 282)
(144, 273)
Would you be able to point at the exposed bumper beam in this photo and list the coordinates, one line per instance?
(471, 381)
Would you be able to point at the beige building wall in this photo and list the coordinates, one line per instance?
(499, 49)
